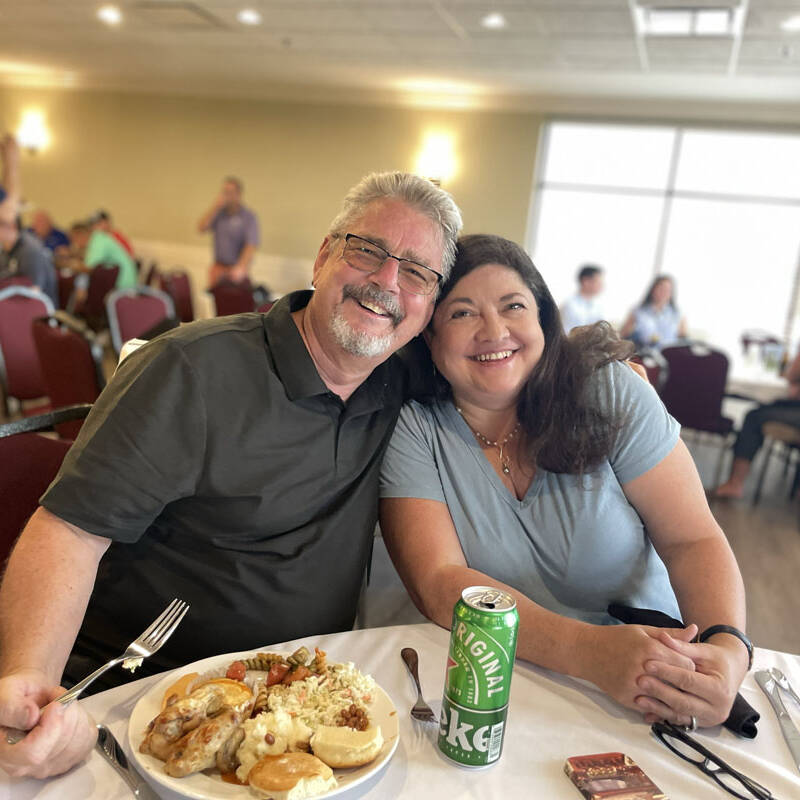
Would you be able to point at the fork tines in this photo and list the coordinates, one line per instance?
(164, 626)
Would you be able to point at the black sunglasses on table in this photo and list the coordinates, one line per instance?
(683, 745)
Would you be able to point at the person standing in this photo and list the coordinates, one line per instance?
(236, 236)
(585, 308)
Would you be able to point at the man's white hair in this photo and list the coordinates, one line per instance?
(419, 193)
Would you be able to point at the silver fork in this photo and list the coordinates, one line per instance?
(421, 710)
(143, 646)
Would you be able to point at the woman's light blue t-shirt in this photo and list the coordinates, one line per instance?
(573, 544)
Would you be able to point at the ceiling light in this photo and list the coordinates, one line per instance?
(693, 19)
(249, 16)
(111, 15)
(791, 24)
(494, 21)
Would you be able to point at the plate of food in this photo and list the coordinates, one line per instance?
(271, 725)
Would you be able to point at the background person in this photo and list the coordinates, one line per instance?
(544, 466)
(585, 307)
(22, 254)
(101, 221)
(260, 514)
(656, 322)
(235, 231)
(750, 437)
(92, 246)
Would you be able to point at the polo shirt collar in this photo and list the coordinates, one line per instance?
(295, 366)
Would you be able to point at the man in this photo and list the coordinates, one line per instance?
(234, 463)
(585, 307)
(101, 221)
(22, 254)
(53, 239)
(9, 179)
(235, 230)
(92, 246)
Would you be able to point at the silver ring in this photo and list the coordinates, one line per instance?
(693, 726)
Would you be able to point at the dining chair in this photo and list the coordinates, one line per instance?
(71, 359)
(655, 365)
(232, 298)
(20, 373)
(28, 464)
(132, 312)
(779, 438)
(151, 276)
(694, 390)
(101, 281)
(177, 285)
(16, 280)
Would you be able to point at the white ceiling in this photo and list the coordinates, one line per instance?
(425, 52)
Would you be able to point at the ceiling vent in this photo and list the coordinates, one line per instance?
(175, 15)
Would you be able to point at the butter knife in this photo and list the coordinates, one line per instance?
(770, 688)
(112, 751)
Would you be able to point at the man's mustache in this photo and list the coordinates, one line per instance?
(372, 294)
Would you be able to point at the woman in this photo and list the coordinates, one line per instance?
(547, 467)
(657, 321)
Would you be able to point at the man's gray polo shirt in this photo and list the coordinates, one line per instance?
(232, 232)
(29, 258)
(228, 475)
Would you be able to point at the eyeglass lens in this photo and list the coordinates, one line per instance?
(739, 786)
(368, 257)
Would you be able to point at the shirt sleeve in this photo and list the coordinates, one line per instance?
(251, 235)
(95, 251)
(141, 447)
(409, 467)
(647, 432)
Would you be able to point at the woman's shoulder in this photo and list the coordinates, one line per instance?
(615, 384)
(426, 415)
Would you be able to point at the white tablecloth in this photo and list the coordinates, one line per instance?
(551, 717)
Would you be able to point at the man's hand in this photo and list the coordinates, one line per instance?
(706, 693)
(9, 151)
(59, 736)
(615, 657)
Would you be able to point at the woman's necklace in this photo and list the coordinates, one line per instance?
(505, 461)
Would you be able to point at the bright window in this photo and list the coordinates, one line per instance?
(717, 209)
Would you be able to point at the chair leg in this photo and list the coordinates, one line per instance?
(762, 474)
(722, 452)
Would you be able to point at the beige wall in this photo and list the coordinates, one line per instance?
(156, 162)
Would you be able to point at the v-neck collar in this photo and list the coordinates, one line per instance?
(472, 444)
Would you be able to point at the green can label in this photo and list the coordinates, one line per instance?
(478, 678)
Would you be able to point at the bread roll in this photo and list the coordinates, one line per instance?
(291, 776)
(345, 747)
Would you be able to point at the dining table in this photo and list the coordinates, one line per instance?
(551, 717)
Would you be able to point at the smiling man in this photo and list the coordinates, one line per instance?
(232, 463)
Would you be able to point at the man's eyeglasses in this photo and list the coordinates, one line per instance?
(366, 256)
(692, 751)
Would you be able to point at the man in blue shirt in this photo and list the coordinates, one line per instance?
(54, 239)
(236, 237)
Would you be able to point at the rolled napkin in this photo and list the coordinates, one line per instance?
(743, 717)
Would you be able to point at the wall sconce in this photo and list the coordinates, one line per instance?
(436, 159)
(33, 134)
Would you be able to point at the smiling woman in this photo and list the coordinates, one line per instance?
(546, 467)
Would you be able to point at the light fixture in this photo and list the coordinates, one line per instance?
(494, 21)
(111, 15)
(32, 133)
(436, 159)
(791, 24)
(249, 16)
(690, 19)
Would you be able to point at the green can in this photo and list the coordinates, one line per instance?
(483, 643)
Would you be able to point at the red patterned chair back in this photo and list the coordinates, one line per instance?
(231, 298)
(20, 374)
(178, 286)
(72, 365)
(132, 312)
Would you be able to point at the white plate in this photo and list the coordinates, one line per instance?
(211, 786)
